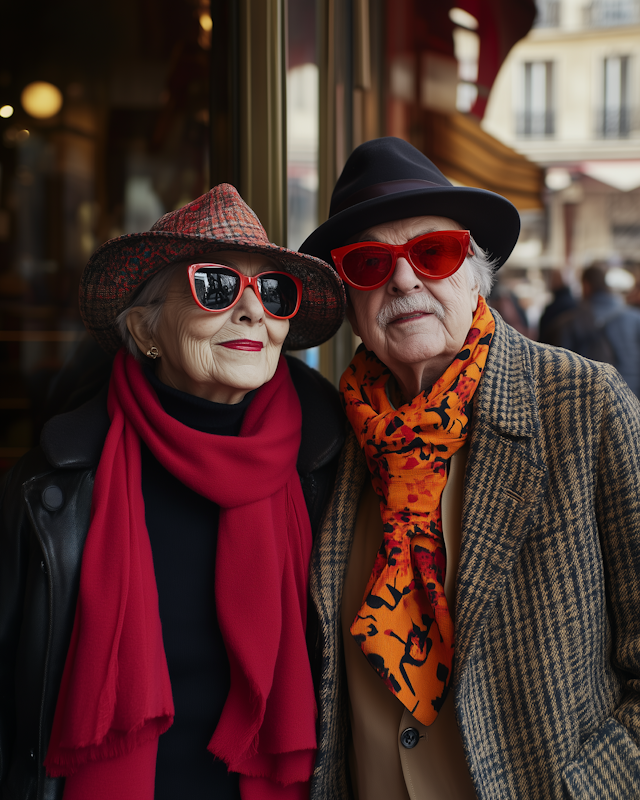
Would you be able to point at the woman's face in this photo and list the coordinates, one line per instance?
(222, 355)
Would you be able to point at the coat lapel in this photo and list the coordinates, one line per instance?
(329, 562)
(505, 480)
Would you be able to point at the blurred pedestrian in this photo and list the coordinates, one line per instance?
(563, 300)
(633, 297)
(506, 303)
(602, 327)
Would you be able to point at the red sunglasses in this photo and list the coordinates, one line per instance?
(368, 265)
(216, 288)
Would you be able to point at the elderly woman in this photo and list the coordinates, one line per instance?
(155, 547)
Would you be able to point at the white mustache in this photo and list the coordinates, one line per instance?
(409, 304)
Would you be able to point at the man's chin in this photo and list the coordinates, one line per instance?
(414, 348)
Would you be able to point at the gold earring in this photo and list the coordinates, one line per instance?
(153, 352)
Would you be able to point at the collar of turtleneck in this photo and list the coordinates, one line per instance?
(220, 418)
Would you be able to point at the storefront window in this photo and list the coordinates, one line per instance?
(302, 130)
(104, 127)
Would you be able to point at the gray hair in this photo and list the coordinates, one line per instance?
(150, 297)
(481, 269)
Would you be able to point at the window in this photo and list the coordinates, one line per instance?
(535, 116)
(126, 139)
(615, 116)
(548, 15)
(605, 13)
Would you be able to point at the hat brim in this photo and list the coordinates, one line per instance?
(122, 265)
(492, 219)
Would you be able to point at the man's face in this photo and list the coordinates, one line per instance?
(414, 325)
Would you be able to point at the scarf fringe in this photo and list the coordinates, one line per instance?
(234, 750)
(283, 769)
(241, 754)
(68, 761)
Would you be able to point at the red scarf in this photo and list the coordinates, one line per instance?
(115, 695)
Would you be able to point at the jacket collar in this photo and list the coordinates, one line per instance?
(506, 399)
(505, 481)
(74, 440)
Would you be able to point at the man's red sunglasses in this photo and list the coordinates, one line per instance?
(216, 288)
(368, 265)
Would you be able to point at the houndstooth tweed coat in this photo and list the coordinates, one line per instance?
(547, 672)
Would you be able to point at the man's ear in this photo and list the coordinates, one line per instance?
(474, 288)
(137, 325)
(475, 292)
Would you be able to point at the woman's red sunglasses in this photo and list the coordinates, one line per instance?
(216, 288)
(368, 265)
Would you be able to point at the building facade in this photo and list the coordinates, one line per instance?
(568, 97)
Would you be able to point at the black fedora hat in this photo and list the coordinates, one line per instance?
(387, 179)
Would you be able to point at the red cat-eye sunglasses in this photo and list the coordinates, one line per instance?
(368, 265)
(216, 287)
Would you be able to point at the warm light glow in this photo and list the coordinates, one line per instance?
(14, 136)
(206, 23)
(463, 18)
(557, 179)
(6, 112)
(619, 279)
(41, 99)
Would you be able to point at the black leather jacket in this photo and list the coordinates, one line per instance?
(43, 525)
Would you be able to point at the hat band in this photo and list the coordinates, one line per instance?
(381, 189)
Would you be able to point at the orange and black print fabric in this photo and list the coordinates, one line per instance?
(404, 626)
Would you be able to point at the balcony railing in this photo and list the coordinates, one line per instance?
(608, 13)
(535, 124)
(616, 123)
(548, 15)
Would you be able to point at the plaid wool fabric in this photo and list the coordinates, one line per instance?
(219, 220)
(547, 667)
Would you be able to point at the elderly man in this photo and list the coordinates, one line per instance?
(477, 574)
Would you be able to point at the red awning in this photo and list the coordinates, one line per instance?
(501, 23)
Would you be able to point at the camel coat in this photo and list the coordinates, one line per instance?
(546, 680)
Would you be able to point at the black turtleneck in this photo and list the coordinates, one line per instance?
(183, 529)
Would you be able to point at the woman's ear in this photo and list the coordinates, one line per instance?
(137, 325)
(352, 319)
(351, 315)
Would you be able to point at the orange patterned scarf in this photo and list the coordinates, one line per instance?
(404, 626)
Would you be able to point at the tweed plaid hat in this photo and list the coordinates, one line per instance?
(219, 220)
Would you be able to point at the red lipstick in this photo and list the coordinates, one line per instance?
(243, 344)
